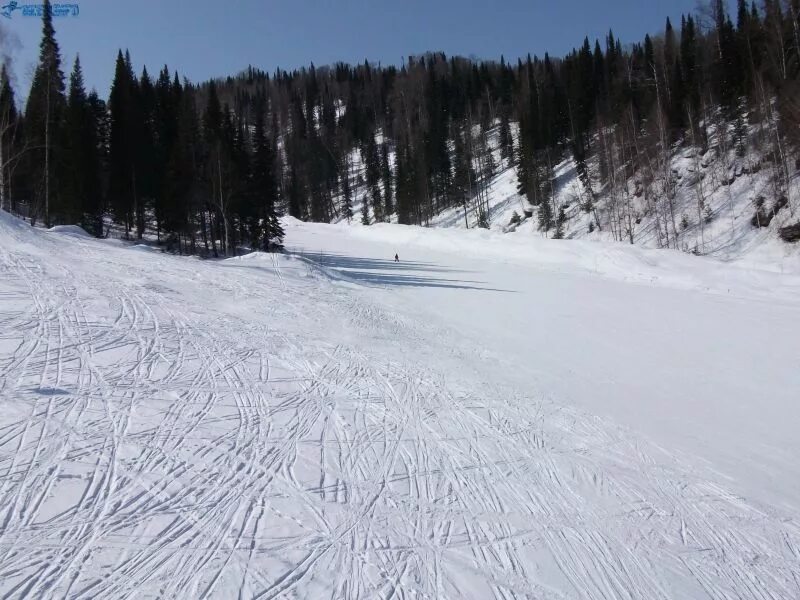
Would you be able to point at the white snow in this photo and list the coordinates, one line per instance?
(70, 230)
(731, 186)
(493, 416)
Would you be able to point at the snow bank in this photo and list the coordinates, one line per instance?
(73, 230)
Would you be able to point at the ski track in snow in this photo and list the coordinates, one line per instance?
(177, 428)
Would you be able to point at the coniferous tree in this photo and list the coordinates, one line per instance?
(164, 119)
(726, 72)
(365, 211)
(121, 145)
(196, 161)
(373, 177)
(185, 212)
(10, 144)
(463, 176)
(102, 123)
(44, 116)
(505, 138)
(264, 189)
(144, 118)
(82, 197)
(218, 136)
(347, 190)
(671, 84)
(689, 76)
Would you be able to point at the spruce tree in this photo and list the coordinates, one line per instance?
(218, 138)
(10, 152)
(347, 190)
(44, 115)
(101, 123)
(462, 176)
(184, 212)
(121, 145)
(165, 119)
(726, 74)
(373, 174)
(214, 173)
(364, 211)
(506, 141)
(145, 149)
(690, 83)
(82, 195)
(264, 190)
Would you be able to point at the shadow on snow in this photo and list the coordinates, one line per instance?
(381, 272)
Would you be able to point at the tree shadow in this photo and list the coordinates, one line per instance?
(45, 391)
(344, 261)
(388, 273)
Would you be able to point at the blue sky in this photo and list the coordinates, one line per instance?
(205, 38)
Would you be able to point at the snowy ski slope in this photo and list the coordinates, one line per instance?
(585, 421)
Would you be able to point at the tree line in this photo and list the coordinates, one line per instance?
(208, 168)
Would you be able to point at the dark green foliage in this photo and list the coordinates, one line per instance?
(264, 189)
(11, 143)
(209, 168)
(123, 156)
(373, 177)
(44, 115)
(365, 211)
(81, 184)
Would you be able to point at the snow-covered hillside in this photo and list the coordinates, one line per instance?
(492, 416)
(730, 188)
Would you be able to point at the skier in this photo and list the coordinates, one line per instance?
(396, 258)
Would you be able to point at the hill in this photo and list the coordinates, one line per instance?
(574, 420)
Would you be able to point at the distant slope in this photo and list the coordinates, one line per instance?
(731, 186)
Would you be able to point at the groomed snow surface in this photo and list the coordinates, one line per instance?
(491, 417)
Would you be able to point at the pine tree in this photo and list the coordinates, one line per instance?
(164, 126)
(264, 188)
(506, 141)
(145, 150)
(690, 82)
(403, 184)
(44, 115)
(437, 155)
(184, 211)
(347, 190)
(121, 145)
(364, 211)
(373, 174)
(296, 150)
(82, 192)
(10, 152)
(672, 86)
(463, 176)
(169, 150)
(726, 72)
(218, 137)
(102, 126)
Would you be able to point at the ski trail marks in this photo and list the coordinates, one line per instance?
(155, 441)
